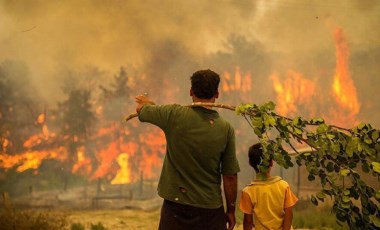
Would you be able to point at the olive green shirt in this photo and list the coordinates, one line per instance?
(200, 147)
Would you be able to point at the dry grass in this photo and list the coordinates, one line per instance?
(305, 217)
(116, 219)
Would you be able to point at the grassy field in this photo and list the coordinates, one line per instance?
(306, 216)
(311, 218)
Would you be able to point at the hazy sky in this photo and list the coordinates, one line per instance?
(176, 37)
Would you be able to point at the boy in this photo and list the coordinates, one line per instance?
(268, 198)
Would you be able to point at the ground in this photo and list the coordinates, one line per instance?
(117, 219)
(120, 219)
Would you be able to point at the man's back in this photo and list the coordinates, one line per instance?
(200, 146)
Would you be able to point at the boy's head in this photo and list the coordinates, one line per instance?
(255, 155)
(205, 83)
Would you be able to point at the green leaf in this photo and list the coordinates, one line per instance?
(314, 200)
(330, 136)
(269, 120)
(321, 195)
(362, 126)
(296, 121)
(376, 166)
(365, 167)
(375, 220)
(298, 131)
(257, 122)
(352, 145)
(322, 128)
(316, 121)
(335, 147)
(283, 121)
(346, 205)
(257, 132)
(367, 139)
(270, 105)
(375, 135)
(311, 177)
(344, 172)
(369, 150)
(377, 195)
(330, 167)
(243, 108)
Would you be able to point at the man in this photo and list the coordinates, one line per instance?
(200, 153)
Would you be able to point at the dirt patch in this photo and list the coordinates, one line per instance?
(117, 219)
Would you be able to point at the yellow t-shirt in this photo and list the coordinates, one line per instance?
(266, 200)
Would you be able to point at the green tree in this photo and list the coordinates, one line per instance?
(343, 159)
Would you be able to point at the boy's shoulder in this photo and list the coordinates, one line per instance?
(272, 180)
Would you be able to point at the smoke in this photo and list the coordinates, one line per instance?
(171, 39)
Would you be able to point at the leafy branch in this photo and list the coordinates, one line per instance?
(334, 154)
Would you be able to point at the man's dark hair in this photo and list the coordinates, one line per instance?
(255, 155)
(205, 83)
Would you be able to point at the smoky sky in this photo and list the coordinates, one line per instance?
(172, 39)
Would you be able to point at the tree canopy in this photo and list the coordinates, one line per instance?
(343, 159)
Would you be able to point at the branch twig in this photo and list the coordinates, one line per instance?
(218, 105)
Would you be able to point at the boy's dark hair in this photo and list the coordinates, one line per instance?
(205, 83)
(255, 155)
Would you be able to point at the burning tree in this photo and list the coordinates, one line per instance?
(77, 119)
(17, 117)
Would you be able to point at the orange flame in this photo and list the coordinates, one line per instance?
(293, 92)
(30, 159)
(296, 92)
(83, 164)
(123, 174)
(343, 86)
(236, 83)
(109, 155)
(154, 147)
(106, 158)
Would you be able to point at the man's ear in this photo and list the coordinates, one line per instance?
(217, 94)
(191, 92)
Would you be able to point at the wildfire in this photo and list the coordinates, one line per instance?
(121, 155)
(30, 159)
(83, 163)
(293, 92)
(237, 82)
